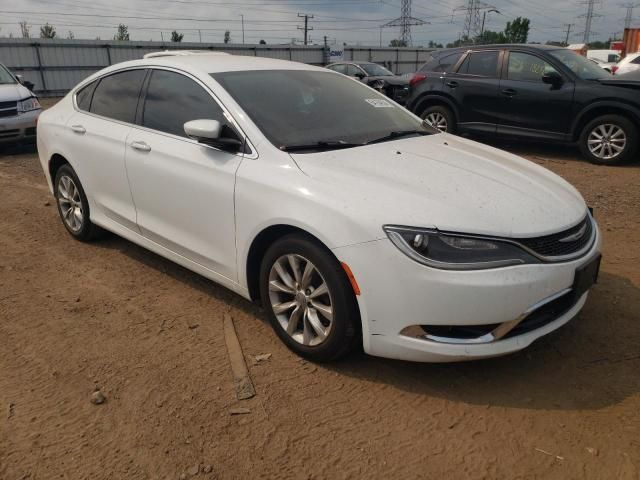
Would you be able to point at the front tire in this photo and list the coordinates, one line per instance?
(308, 298)
(73, 206)
(609, 140)
(440, 118)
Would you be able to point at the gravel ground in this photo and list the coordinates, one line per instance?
(110, 316)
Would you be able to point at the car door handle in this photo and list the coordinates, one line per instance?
(142, 146)
(79, 129)
(509, 92)
(452, 84)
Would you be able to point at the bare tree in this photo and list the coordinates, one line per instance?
(227, 36)
(25, 29)
(123, 32)
(176, 37)
(70, 35)
(47, 31)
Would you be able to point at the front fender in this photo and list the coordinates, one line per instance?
(611, 106)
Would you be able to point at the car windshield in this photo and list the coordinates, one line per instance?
(294, 108)
(579, 65)
(5, 76)
(375, 70)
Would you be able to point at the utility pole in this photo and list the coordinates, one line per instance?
(161, 36)
(306, 27)
(589, 16)
(568, 26)
(200, 35)
(629, 17)
(484, 17)
(242, 17)
(473, 24)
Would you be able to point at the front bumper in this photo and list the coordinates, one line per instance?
(19, 127)
(399, 294)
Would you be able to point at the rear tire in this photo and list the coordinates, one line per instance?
(440, 117)
(73, 206)
(609, 140)
(308, 298)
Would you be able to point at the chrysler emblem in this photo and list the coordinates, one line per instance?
(574, 236)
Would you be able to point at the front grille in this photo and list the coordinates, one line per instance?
(9, 133)
(8, 104)
(11, 112)
(553, 246)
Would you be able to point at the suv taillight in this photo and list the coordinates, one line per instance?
(416, 79)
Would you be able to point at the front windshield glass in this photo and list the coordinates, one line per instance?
(375, 70)
(579, 65)
(303, 107)
(5, 76)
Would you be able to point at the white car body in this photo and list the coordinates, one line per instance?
(204, 209)
(630, 63)
(15, 125)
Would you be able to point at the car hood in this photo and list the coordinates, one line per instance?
(445, 182)
(621, 82)
(13, 92)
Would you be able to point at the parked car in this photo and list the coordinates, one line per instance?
(608, 66)
(629, 63)
(341, 212)
(531, 92)
(604, 56)
(376, 76)
(19, 109)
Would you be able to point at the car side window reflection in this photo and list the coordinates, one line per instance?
(480, 64)
(116, 96)
(173, 99)
(527, 68)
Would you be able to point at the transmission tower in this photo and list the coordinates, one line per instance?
(588, 19)
(404, 22)
(473, 19)
(629, 17)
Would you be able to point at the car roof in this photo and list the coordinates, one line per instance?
(522, 46)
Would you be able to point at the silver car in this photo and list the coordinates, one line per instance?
(19, 109)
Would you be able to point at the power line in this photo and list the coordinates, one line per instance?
(588, 19)
(569, 27)
(629, 17)
(405, 21)
(306, 27)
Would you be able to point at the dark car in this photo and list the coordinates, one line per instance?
(529, 91)
(376, 76)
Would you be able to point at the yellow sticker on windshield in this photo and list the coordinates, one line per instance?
(378, 102)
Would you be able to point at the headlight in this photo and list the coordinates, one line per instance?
(450, 251)
(28, 104)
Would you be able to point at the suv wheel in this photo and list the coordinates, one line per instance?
(440, 117)
(309, 300)
(73, 206)
(609, 140)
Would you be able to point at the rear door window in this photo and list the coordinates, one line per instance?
(480, 64)
(354, 71)
(116, 96)
(443, 63)
(173, 99)
(341, 68)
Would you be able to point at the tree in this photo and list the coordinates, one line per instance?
(227, 36)
(176, 37)
(517, 31)
(464, 40)
(397, 43)
(123, 33)
(47, 31)
(262, 42)
(25, 29)
(70, 35)
(433, 44)
(490, 38)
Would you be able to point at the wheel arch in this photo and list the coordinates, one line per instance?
(432, 99)
(55, 162)
(600, 109)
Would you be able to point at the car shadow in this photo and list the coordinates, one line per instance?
(590, 363)
(18, 148)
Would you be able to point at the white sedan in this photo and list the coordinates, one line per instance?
(341, 212)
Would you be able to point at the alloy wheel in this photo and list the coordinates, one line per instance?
(436, 120)
(607, 141)
(70, 203)
(300, 299)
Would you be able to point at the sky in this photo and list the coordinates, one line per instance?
(355, 22)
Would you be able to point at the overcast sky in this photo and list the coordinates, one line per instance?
(275, 21)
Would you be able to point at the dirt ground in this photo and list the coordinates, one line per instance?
(149, 334)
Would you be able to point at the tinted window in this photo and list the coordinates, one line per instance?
(116, 96)
(173, 99)
(526, 67)
(483, 64)
(83, 97)
(636, 60)
(305, 107)
(443, 63)
(352, 70)
(341, 68)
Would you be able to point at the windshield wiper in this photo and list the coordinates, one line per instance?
(398, 134)
(325, 145)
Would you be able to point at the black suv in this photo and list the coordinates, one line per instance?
(530, 91)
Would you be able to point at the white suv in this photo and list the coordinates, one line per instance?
(340, 211)
(630, 63)
(19, 109)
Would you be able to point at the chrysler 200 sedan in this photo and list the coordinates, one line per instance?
(341, 212)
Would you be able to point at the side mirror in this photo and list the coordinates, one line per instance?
(552, 78)
(24, 82)
(359, 75)
(211, 132)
